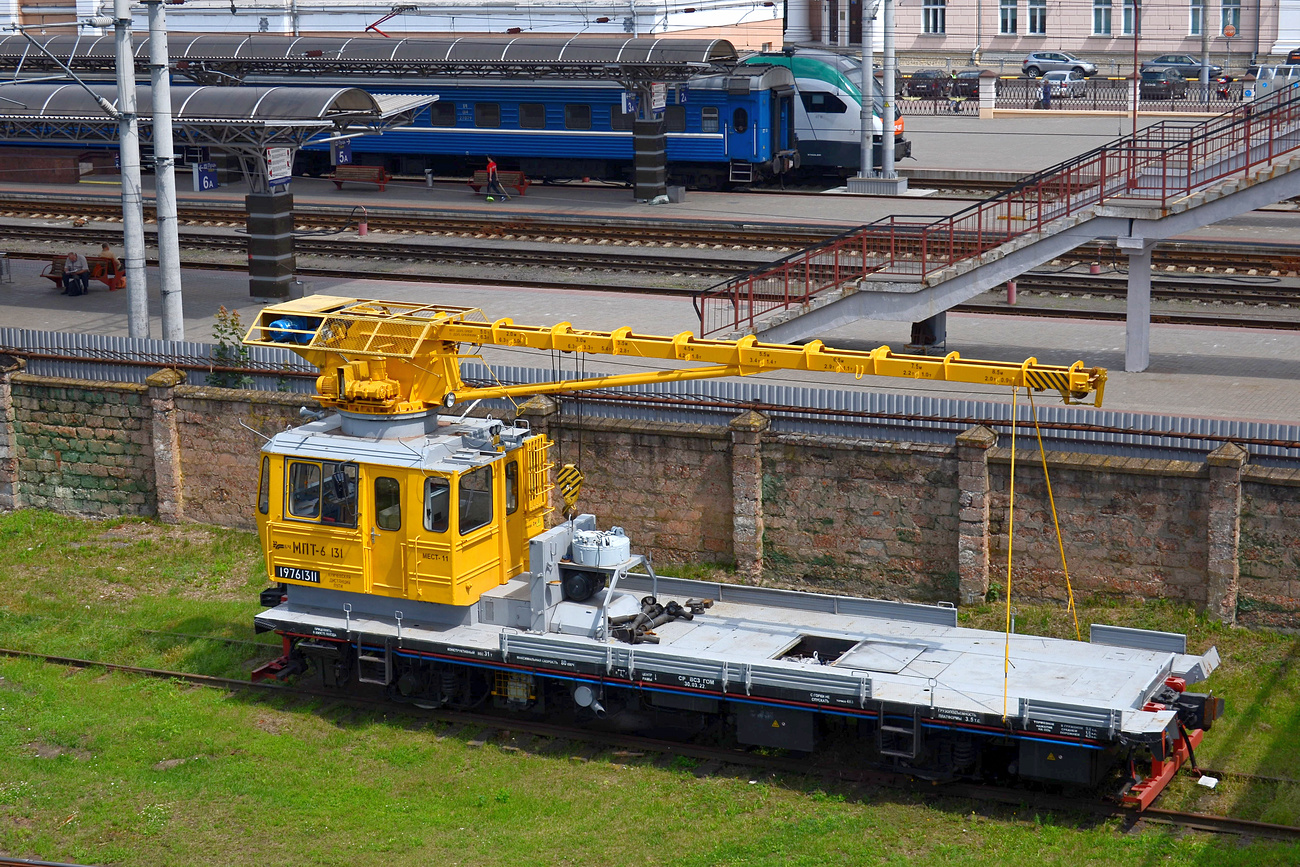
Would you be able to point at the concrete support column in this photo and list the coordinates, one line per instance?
(973, 512)
(543, 415)
(747, 492)
(796, 22)
(1224, 530)
(9, 498)
(169, 485)
(1137, 332)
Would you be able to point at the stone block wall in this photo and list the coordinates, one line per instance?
(892, 520)
(855, 516)
(669, 485)
(1269, 555)
(80, 447)
(1133, 529)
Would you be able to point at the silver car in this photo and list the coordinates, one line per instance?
(1066, 84)
(1047, 61)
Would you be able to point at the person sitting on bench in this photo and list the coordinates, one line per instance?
(76, 275)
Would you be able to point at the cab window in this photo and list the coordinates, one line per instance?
(388, 504)
(475, 499)
(512, 487)
(826, 103)
(323, 491)
(437, 504)
(264, 487)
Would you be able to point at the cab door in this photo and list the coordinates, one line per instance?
(383, 508)
(740, 133)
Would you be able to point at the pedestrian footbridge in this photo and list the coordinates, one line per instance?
(1163, 181)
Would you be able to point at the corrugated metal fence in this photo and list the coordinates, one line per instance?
(793, 409)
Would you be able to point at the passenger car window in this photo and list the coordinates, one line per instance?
(487, 115)
(675, 118)
(475, 499)
(532, 115)
(709, 119)
(618, 121)
(442, 114)
(577, 116)
(388, 504)
(437, 504)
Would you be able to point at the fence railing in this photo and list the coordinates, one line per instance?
(1167, 160)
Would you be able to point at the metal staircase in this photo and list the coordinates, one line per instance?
(1169, 178)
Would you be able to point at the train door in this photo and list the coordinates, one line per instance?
(740, 135)
(477, 550)
(383, 536)
(516, 541)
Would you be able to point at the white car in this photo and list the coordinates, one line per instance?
(1065, 83)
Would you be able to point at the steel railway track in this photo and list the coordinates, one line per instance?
(715, 759)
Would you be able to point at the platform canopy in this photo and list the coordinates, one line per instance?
(221, 58)
(241, 120)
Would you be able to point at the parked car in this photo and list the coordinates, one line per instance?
(1066, 84)
(1162, 83)
(1188, 66)
(1048, 61)
(929, 84)
(966, 82)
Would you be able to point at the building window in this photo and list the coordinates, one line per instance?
(1100, 17)
(532, 115)
(1196, 17)
(934, 16)
(709, 119)
(1007, 16)
(577, 116)
(1231, 16)
(487, 115)
(1038, 17)
(1130, 17)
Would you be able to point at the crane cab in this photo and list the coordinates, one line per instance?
(440, 517)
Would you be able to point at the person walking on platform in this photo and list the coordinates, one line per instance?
(494, 187)
(76, 275)
(1046, 94)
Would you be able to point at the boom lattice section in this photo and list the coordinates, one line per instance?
(1161, 163)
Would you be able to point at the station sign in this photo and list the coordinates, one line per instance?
(682, 92)
(279, 165)
(341, 152)
(658, 95)
(631, 102)
(205, 176)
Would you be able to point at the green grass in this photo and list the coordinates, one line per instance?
(109, 768)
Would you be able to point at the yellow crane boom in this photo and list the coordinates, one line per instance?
(382, 357)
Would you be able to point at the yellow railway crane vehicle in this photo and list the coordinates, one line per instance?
(392, 495)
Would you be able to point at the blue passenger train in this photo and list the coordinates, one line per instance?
(764, 120)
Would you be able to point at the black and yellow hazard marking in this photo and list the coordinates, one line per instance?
(570, 483)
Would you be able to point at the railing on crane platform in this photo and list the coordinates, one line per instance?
(1163, 162)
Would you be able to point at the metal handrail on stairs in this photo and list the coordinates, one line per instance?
(1164, 162)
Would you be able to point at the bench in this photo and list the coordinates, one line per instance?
(100, 269)
(508, 179)
(364, 174)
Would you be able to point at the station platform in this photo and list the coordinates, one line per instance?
(1241, 373)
